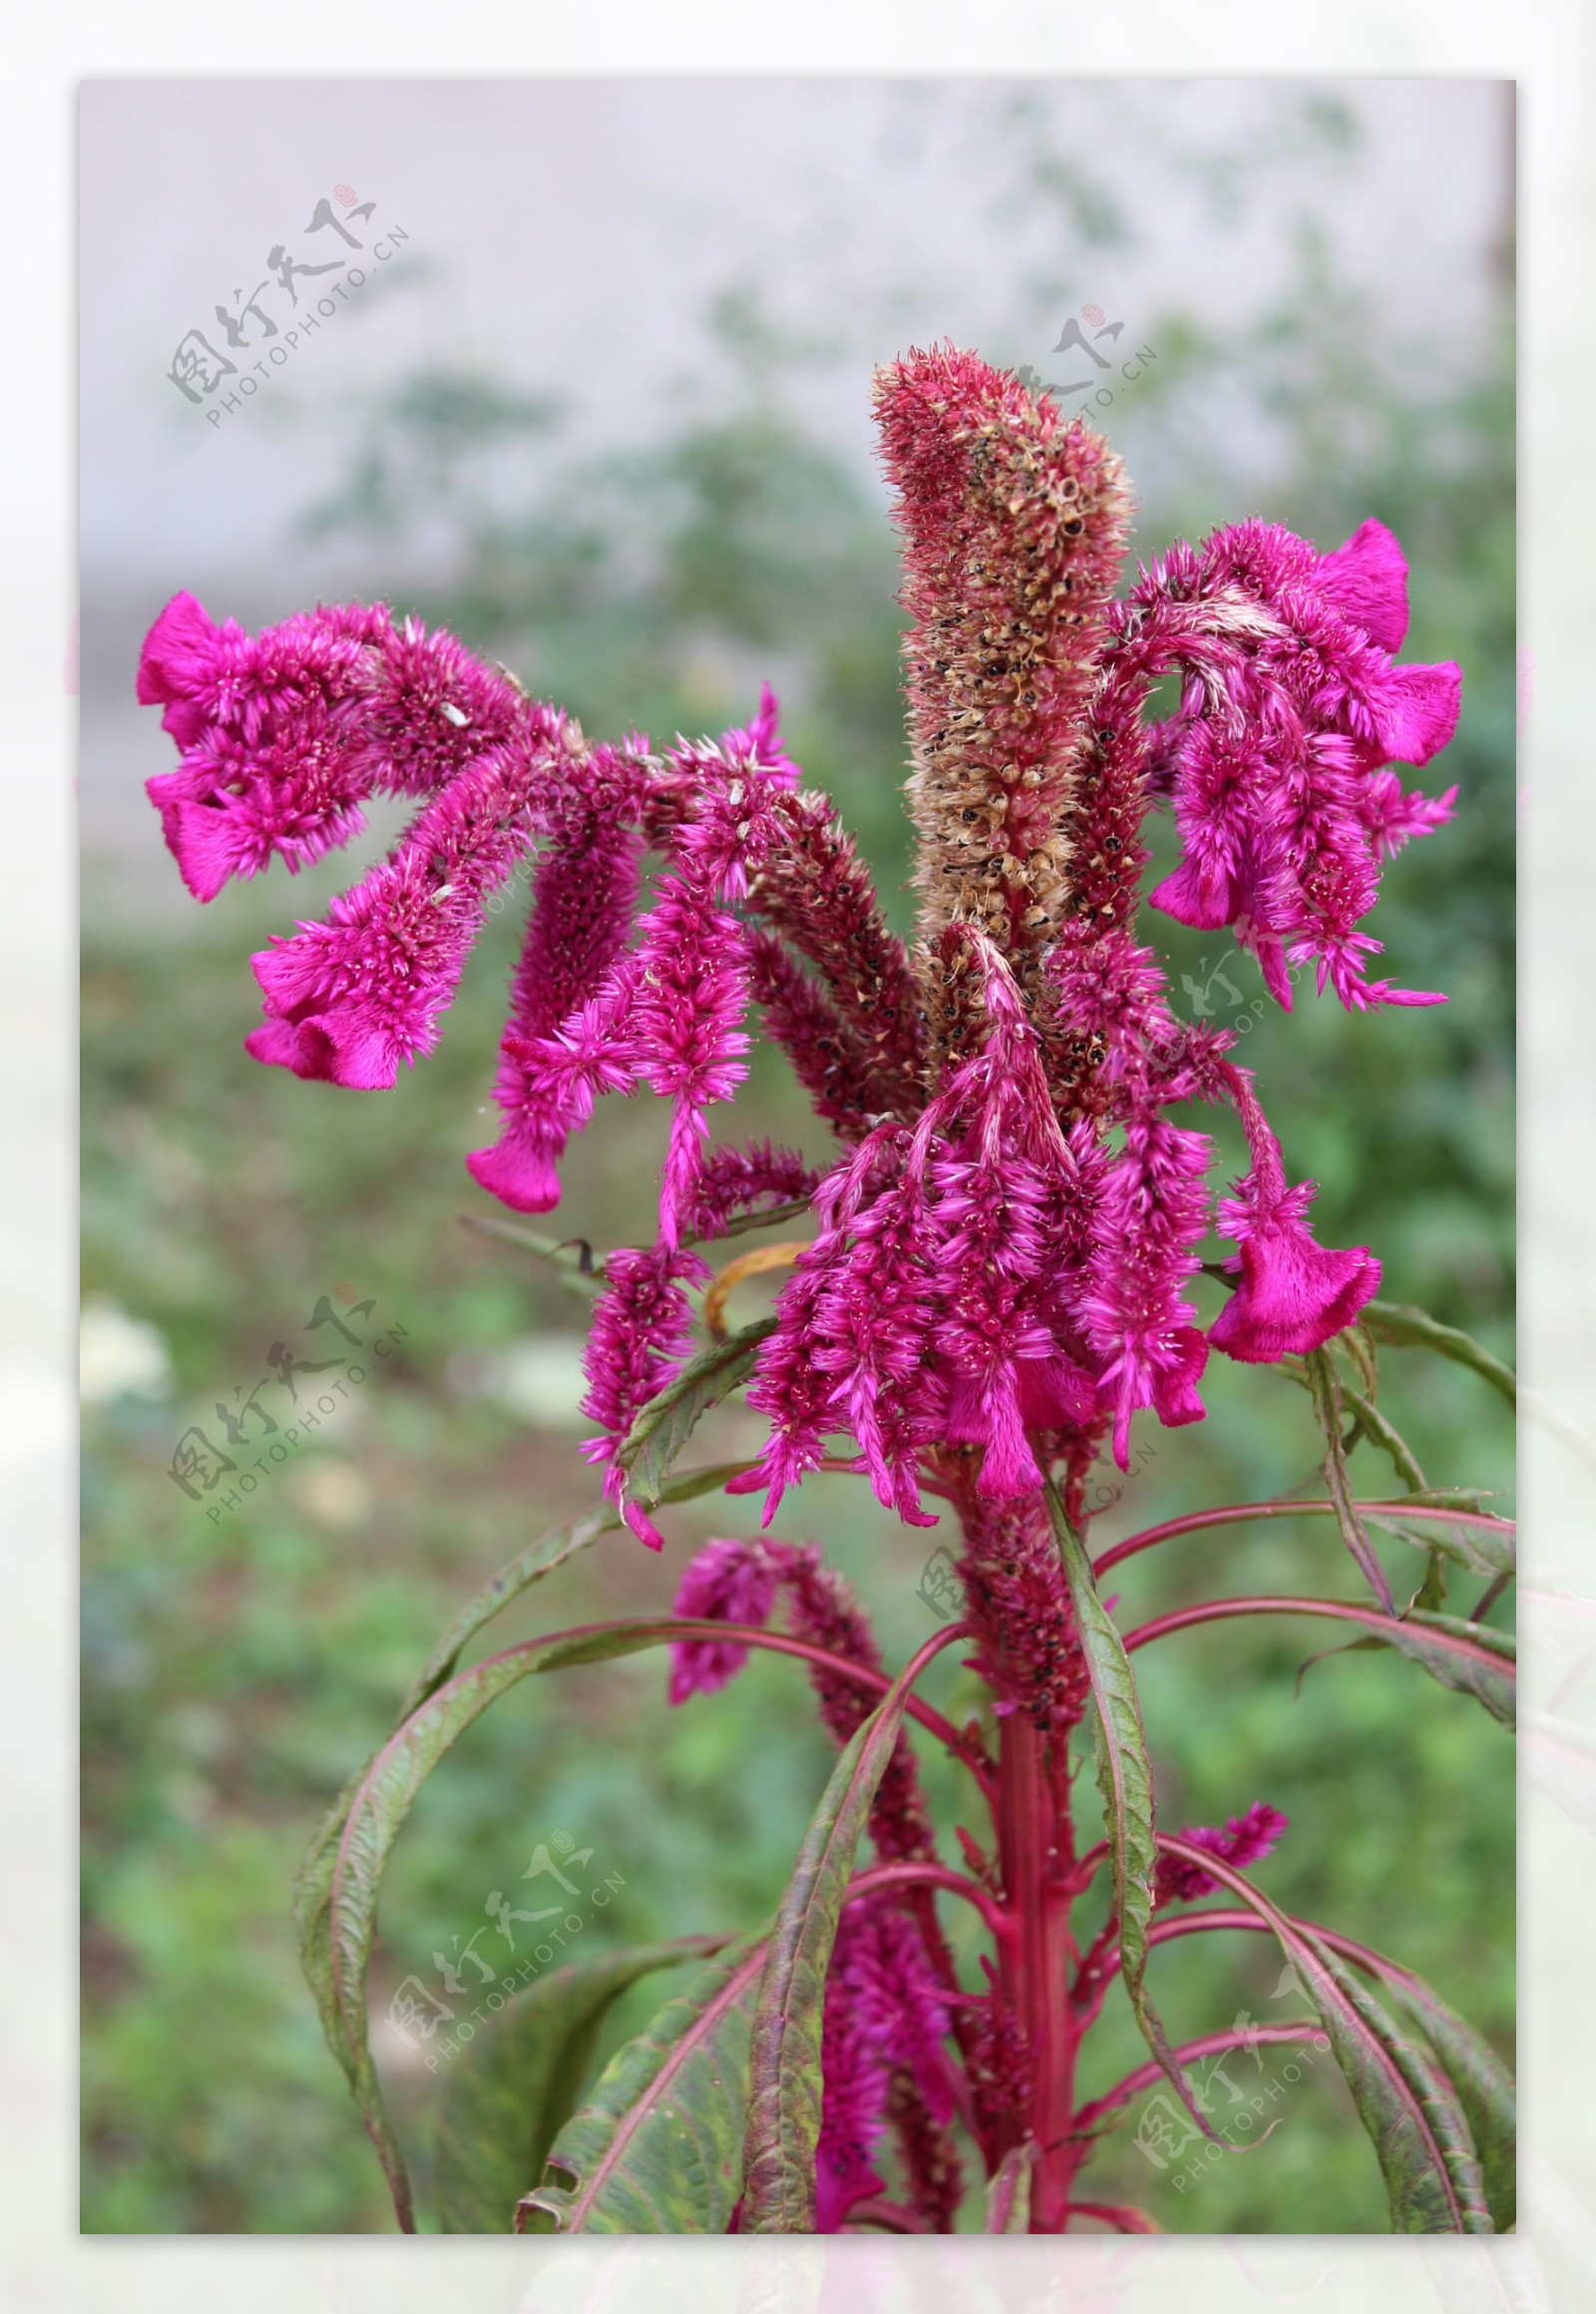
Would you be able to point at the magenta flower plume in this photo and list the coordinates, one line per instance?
(735, 1183)
(692, 995)
(883, 2015)
(1292, 707)
(268, 726)
(285, 733)
(1004, 1234)
(728, 1582)
(355, 999)
(1246, 1839)
(641, 1329)
(1013, 521)
(585, 897)
(1294, 1294)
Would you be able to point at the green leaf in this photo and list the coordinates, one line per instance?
(512, 2088)
(1481, 2082)
(1325, 1389)
(312, 1916)
(312, 1901)
(665, 1425)
(1470, 1537)
(784, 2060)
(1125, 1780)
(658, 2147)
(1383, 1435)
(1470, 1658)
(542, 1558)
(1375, 1428)
(1432, 2179)
(1008, 2193)
(1408, 1328)
(1421, 2139)
(381, 1801)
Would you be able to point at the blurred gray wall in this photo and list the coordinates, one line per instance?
(572, 237)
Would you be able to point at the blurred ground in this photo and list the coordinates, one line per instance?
(237, 1668)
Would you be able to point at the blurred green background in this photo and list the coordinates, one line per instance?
(236, 1668)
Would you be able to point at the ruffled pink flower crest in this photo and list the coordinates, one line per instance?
(1292, 709)
(1294, 1293)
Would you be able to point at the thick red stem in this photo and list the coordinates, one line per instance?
(1036, 1850)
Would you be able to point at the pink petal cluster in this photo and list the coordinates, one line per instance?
(725, 1582)
(285, 733)
(885, 2015)
(641, 1333)
(1246, 1839)
(1292, 709)
(583, 898)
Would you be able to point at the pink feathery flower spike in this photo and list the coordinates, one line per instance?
(1246, 1839)
(727, 1582)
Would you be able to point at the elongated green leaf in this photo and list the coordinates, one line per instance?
(542, 1558)
(1481, 2082)
(784, 2060)
(1358, 1349)
(1408, 1328)
(1384, 1434)
(669, 1420)
(1432, 2178)
(513, 2087)
(1008, 2193)
(313, 1915)
(1326, 1388)
(1125, 1780)
(1469, 1658)
(1421, 2139)
(658, 2147)
(377, 1811)
(314, 1882)
(1470, 1537)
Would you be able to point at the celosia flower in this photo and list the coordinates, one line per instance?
(730, 1582)
(355, 998)
(285, 733)
(1246, 1839)
(584, 896)
(1292, 707)
(884, 2014)
(1294, 1293)
(733, 1183)
(1013, 521)
(640, 1332)
(692, 995)
(1007, 1241)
